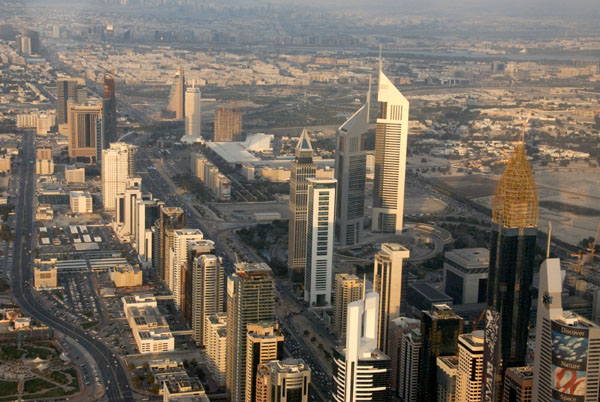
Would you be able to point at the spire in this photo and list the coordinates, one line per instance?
(380, 60)
(369, 101)
(304, 142)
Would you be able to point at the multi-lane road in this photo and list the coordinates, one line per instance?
(111, 370)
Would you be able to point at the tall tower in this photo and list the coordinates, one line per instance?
(264, 344)
(177, 99)
(510, 274)
(171, 219)
(283, 380)
(179, 261)
(470, 367)
(117, 169)
(408, 365)
(350, 172)
(390, 158)
(250, 299)
(228, 125)
(348, 288)
(66, 88)
(302, 169)
(360, 369)
(193, 117)
(85, 129)
(319, 242)
(208, 295)
(109, 112)
(387, 282)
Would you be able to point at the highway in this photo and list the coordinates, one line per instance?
(112, 372)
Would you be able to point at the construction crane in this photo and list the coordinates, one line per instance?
(577, 269)
(478, 320)
(591, 250)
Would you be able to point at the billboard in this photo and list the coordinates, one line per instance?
(569, 362)
(491, 355)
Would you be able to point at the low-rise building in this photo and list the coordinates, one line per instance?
(184, 388)
(74, 174)
(5, 164)
(44, 212)
(150, 328)
(45, 275)
(44, 167)
(81, 202)
(125, 276)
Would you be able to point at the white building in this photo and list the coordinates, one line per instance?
(465, 274)
(179, 257)
(150, 329)
(208, 292)
(81, 202)
(148, 212)
(193, 118)
(469, 374)
(360, 370)
(390, 158)
(44, 167)
(408, 365)
(216, 346)
(117, 167)
(74, 174)
(125, 212)
(318, 275)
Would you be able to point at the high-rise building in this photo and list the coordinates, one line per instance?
(250, 299)
(470, 367)
(179, 261)
(567, 345)
(390, 158)
(177, 98)
(360, 369)
(465, 274)
(302, 169)
(208, 295)
(319, 241)
(440, 329)
(118, 168)
(510, 274)
(228, 125)
(84, 126)
(216, 346)
(125, 224)
(264, 343)
(171, 219)
(518, 384)
(387, 282)
(348, 288)
(398, 328)
(447, 367)
(193, 116)
(66, 89)
(148, 212)
(408, 366)
(192, 288)
(350, 172)
(109, 112)
(283, 380)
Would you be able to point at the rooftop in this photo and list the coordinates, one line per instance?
(469, 257)
(429, 292)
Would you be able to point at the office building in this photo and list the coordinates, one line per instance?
(177, 97)
(208, 295)
(440, 329)
(43, 153)
(191, 286)
(184, 389)
(209, 174)
(5, 164)
(84, 130)
(447, 367)
(264, 344)
(408, 365)
(74, 174)
(470, 367)
(45, 123)
(125, 221)
(44, 167)
(422, 296)
(360, 370)
(567, 345)
(465, 274)
(350, 172)
(348, 288)
(398, 328)
(215, 342)
(518, 384)
(148, 212)
(117, 168)
(171, 219)
(387, 282)
(283, 380)
(45, 275)
(179, 261)
(390, 158)
(319, 241)
(250, 299)
(66, 89)
(125, 276)
(81, 202)
(109, 112)
(510, 274)
(228, 125)
(150, 328)
(302, 169)
(193, 117)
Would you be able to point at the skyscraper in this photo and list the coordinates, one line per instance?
(387, 282)
(250, 299)
(264, 344)
(66, 88)
(440, 329)
(192, 292)
(283, 381)
(319, 241)
(215, 342)
(171, 218)
(208, 295)
(348, 288)
(510, 274)
(360, 369)
(447, 366)
(228, 124)
(177, 98)
(302, 169)
(408, 366)
(350, 172)
(85, 129)
(109, 112)
(179, 261)
(567, 346)
(126, 208)
(148, 212)
(470, 367)
(398, 328)
(118, 168)
(390, 158)
(518, 384)
(193, 116)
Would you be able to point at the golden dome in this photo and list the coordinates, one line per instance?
(516, 201)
